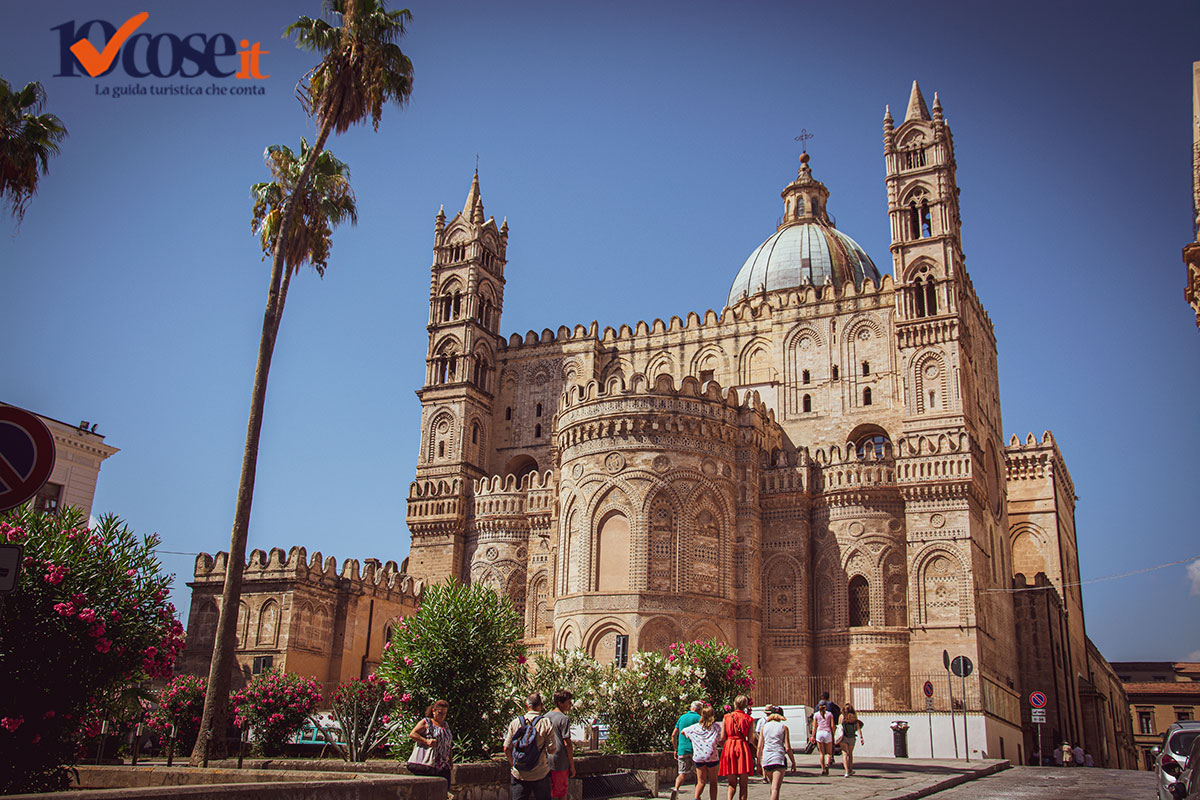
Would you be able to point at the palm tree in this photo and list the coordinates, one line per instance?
(27, 140)
(361, 69)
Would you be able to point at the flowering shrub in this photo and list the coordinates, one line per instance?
(642, 702)
(573, 670)
(366, 713)
(725, 677)
(180, 703)
(88, 617)
(463, 646)
(274, 705)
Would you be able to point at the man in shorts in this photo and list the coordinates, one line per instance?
(683, 745)
(562, 762)
(531, 783)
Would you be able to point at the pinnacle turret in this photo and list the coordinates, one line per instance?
(473, 208)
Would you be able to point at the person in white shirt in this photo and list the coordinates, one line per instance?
(705, 736)
(774, 744)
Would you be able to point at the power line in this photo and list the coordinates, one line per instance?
(1105, 578)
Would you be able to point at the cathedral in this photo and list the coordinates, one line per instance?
(816, 474)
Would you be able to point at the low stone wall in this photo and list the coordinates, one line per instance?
(322, 779)
(184, 783)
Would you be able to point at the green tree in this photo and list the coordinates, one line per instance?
(463, 646)
(361, 70)
(28, 139)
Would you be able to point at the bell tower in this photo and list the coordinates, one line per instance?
(466, 293)
(950, 456)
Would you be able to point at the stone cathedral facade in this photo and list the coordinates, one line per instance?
(816, 473)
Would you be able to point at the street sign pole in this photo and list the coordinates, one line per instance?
(950, 688)
(1037, 714)
(1039, 744)
(966, 736)
(928, 690)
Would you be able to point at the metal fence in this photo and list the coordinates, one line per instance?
(873, 692)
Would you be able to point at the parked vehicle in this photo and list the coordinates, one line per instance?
(1170, 758)
(1187, 787)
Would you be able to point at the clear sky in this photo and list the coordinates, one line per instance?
(638, 151)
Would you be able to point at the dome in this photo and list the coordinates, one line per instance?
(806, 249)
(800, 254)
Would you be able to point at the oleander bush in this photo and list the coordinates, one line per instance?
(88, 619)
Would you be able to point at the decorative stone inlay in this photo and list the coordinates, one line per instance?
(491, 554)
(661, 463)
(577, 471)
(709, 467)
(614, 463)
(937, 520)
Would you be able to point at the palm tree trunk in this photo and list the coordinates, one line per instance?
(211, 740)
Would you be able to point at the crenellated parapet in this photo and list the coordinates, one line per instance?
(934, 467)
(696, 417)
(508, 504)
(809, 300)
(295, 566)
(436, 506)
(1036, 459)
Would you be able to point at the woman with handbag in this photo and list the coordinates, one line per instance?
(849, 733)
(737, 757)
(432, 754)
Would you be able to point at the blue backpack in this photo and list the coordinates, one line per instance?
(526, 753)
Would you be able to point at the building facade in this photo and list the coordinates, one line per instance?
(1161, 693)
(816, 474)
(78, 453)
(299, 615)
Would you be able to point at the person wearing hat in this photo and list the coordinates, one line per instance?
(773, 745)
(823, 723)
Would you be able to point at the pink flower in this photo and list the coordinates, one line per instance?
(151, 651)
(103, 646)
(408, 661)
(131, 572)
(49, 714)
(64, 609)
(11, 724)
(96, 631)
(115, 616)
(520, 659)
(386, 719)
(87, 614)
(79, 598)
(55, 573)
(406, 698)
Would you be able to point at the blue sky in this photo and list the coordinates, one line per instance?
(638, 151)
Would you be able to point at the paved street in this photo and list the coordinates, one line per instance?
(1050, 783)
(884, 779)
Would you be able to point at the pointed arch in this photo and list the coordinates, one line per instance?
(441, 436)
(782, 594)
(663, 514)
(930, 380)
(1028, 549)
(754, 364)
(660, 364)
(710, 363)
(601, 639)
(613, 548)
(941, 587)
(268, 625)
(708, 560)
(895, 588)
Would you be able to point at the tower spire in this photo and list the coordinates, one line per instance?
(916, 105)
(473, 208)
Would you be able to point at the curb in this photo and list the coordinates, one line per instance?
(941, 784)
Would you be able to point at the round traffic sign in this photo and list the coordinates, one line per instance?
(1037, 700)
(928, 688)
(961, 666)
(26, 456)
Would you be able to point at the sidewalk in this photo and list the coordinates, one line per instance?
(881, 779)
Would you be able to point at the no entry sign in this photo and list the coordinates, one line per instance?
(26, 456)
(1037, 700)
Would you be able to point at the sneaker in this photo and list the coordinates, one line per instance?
(674, 794)
(824, 770)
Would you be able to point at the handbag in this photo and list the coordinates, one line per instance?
(421, 760)
(841, 734)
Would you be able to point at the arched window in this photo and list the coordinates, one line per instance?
(867, 396)
(508, 413)
(475, 433)
(441, 449)
(612, 557)
(931, 304)
(807, 402)
(926, 225)
(805, 377)
(873, 444)
(860, 602)
(537, 431)
(919, 296)
(866, 366)
(914, 221)
(835, 372)
(539, 410)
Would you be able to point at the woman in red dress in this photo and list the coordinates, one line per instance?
(737, 757)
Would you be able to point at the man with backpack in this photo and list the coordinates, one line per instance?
(528, 739)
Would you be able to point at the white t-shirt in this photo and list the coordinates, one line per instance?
(704, 742)
(774, 754)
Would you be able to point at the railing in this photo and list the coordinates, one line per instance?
(872, 692)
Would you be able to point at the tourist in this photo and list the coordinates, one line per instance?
(432, 754)
(562, 761)
(850, 728)
(837, 717)
(1077, 755)
(823, 734)
(758, 726)
(737, 757)
(526, 742)
(706, 738)
(774, 743)
(1087, 759)
(683, 745)
(1068, 755)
